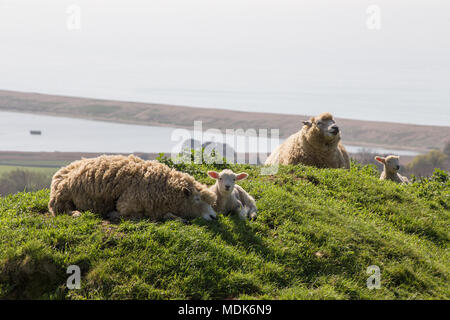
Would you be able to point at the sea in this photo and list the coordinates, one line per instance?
(388, 61)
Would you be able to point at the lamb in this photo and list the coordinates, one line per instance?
(316, 144)
(391, 167)
(232, 198)
(129, 187)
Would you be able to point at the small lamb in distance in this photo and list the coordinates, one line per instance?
(391, 167)
(232, 198)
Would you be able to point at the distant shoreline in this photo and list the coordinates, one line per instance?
(412, 137)
(58, 159)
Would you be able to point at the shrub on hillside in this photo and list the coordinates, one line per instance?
(188, 160)
(424, 165)
(447, 149)
(23, 180)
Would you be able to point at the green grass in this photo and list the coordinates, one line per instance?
(317, 232)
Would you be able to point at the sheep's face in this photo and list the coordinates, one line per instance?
(324, 127)
(226, 180)
(391, 163)
(198, 204)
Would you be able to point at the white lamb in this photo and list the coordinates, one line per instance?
(390, 172)
(232, 198)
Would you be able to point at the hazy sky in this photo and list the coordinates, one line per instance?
(258, 55)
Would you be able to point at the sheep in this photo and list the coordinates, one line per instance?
(129, 187)
(316, 144)
(232, 198)
(391, 166)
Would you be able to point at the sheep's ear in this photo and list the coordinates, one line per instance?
(380, 159)
(187, 192)
(307, 123)
(242, 176)
(213, 174)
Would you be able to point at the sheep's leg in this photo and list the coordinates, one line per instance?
(171, 216)
(248, 213)
(243, 213)
(252, 214)
(240, 210)
(75, 214)
(113, 216)
(61, 204)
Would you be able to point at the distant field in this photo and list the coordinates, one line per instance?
(37, 162)
(6, 168)
(34, 163)
(46, 162)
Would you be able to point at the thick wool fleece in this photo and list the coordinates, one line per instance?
(128, 185)
(309, 147)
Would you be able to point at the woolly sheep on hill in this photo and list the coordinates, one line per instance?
(232, 198)
(391, 166)
(129, 187)
(316, 144)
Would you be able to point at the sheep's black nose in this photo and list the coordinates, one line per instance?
(213, 217)
(335, 129)
(398, 167)
(227, 187)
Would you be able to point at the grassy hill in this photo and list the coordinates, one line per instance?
(317, 232)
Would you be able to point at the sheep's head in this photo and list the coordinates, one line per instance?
(391, 163)
(198, 201)
(323, 128)
(227, 179)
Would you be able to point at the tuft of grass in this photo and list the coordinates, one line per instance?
(317, 232)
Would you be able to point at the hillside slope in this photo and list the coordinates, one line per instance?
(317, 232)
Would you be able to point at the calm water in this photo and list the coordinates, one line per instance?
(74, 135)
(66, 134)
(283, 56)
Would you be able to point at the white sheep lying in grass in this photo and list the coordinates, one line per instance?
(391, 166)
(119, 186)
(232, 198)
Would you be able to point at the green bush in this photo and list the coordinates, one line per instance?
(20, 180)
(424, 165)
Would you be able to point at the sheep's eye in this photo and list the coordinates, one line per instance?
(319, 123)
(220, 178)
